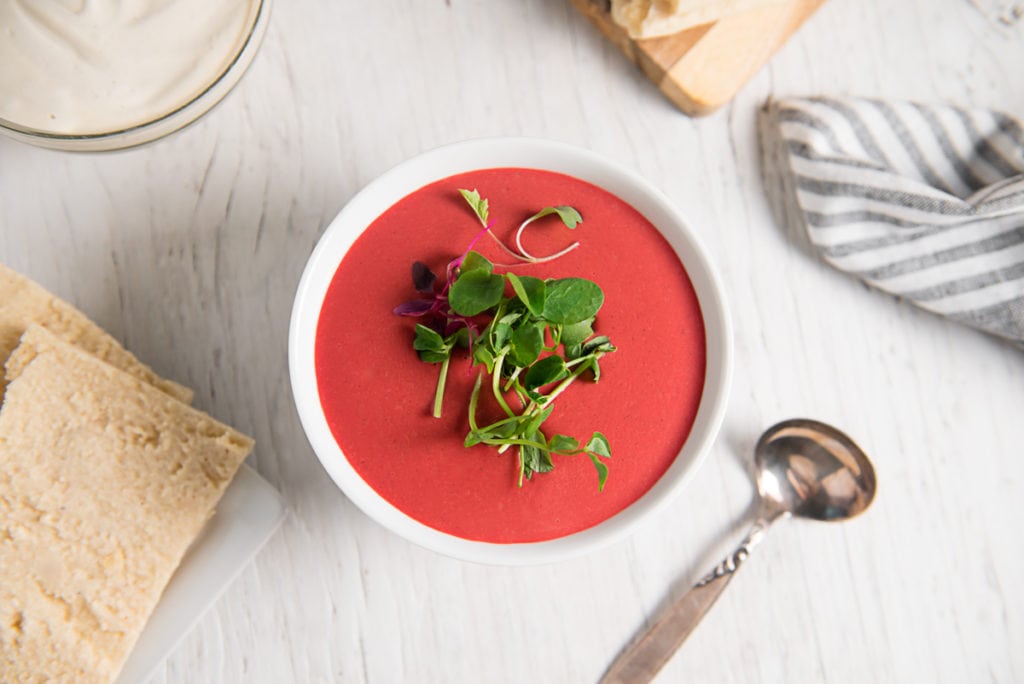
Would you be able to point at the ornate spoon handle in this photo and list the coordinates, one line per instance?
(646, 656)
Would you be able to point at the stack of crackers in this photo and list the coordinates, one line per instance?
(107, 475)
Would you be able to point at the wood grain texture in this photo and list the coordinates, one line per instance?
(189, 251)
(702, 68)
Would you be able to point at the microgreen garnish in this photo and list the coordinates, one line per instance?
(478, 205)
(533, 343)
(569, 216)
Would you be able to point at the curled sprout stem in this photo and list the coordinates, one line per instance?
(508, 251)
(526, 256)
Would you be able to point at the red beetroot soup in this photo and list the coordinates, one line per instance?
(377, 395)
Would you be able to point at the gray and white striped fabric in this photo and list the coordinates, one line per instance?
(924, 202)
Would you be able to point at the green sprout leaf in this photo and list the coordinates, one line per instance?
(575, 334)
(598, 344)
(564, 444)
(571, 300)
(546, 371)
(526, 344)
(501, 331)
(531, 292)
(544, 464)
(428, 340)
(483, 356)
(570, 217)
(475, 202)
(475, 292)
(530, 456)
(474, 261)
(599, 446)
(602, 472)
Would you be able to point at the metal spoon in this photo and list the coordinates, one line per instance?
(804, 468)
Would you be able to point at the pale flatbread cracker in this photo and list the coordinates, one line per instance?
(652, 18)
(104, 483)
(24, 302)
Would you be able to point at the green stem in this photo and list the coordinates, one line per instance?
(496, 384)
(441, 382)
(513, 441)
(522, 466)
(512, 378)
(504, 247)
(565, 383)
(473, 397)
(523, 397)
(498, 423)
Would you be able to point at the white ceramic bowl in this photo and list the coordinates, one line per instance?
(471, 155)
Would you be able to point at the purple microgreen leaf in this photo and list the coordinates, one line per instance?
(422, 277)
(415, 307)
(458, 337)
(436, 323)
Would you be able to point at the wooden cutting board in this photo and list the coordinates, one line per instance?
(702, 68)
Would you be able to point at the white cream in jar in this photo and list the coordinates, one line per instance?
(87, 67)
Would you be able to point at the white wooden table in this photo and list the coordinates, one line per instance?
(189, 251)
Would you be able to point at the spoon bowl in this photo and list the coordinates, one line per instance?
(812, 470)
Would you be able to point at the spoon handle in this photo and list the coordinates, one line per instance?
(646, 656)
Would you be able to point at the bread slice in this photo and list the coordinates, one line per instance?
(23, 302)
(653, 18)
(104, 483)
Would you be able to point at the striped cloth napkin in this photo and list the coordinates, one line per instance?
(924, 202)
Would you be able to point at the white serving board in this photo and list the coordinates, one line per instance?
(246, 517)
